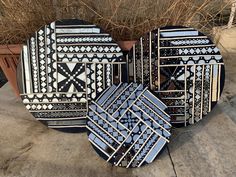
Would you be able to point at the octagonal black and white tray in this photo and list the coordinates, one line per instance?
(183, 66)
(65, 65)
(128, 126)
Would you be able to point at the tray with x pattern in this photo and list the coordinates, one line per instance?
(183, 67)
(65, 65)
(127, 125)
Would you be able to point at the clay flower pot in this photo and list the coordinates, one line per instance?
(9, 58)
(126, 45)
(10, 54)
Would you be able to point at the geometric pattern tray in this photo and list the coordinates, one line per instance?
(183, 67)
(65, 65)
(127, 125)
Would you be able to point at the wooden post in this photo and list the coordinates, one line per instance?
(232, 14)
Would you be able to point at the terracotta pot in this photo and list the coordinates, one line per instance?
(9, 58)
(10, 54)
(126, 45)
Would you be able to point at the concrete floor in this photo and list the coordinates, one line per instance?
(206, 149)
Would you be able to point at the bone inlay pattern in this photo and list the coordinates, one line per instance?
(184, 68)
(128, 125)
(64, 66)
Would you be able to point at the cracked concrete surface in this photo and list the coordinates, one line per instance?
(206, 149)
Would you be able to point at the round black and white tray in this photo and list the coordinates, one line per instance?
(65, 65)
(128, 126)
(183, 67)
